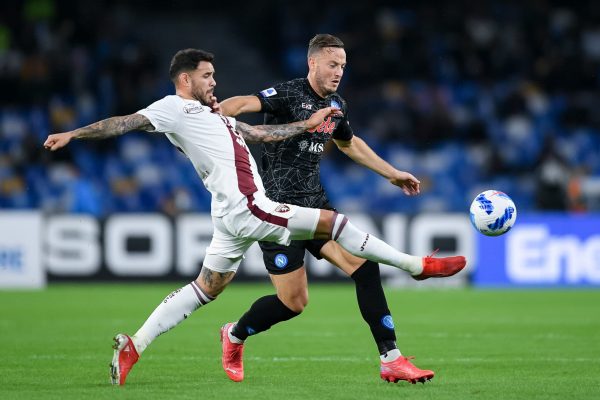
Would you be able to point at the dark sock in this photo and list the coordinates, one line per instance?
(373, 305)
(263, 314)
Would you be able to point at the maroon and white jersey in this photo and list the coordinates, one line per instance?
(219, 154)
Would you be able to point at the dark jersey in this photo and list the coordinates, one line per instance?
(290, 168)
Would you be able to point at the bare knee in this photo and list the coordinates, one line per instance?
(295, 301)
(292, 289)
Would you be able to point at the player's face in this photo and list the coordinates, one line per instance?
(202, 81)
(327, 67)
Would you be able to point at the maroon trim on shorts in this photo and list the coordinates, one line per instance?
(263, 215)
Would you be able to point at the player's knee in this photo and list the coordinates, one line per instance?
(327, 219)
(296, 301)
(212, 282)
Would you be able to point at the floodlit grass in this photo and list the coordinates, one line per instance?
(481, 344)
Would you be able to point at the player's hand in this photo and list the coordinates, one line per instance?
(57, 140)
(319, 116)
(215, 105)
(407, 182)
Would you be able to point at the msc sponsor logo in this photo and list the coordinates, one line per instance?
(327, 126)
(311, 147)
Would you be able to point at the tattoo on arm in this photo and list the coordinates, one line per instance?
(114, 126)
(269, 133)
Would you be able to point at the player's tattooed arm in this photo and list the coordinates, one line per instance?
(274, 133)
(113, 127)
(106, 128)
(269, 133)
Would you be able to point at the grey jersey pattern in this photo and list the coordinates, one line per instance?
(290, 169)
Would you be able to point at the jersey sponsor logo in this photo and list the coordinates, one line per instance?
(387, 321)
(192, 108)
(307, 106)
(268, 92)
(282, 208)
(281, 261)
(327, 126)
(335, 104)
(311, 147)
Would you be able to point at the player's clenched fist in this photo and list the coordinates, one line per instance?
(57, 140)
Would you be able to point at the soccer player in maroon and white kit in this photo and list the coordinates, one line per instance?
(242, 213)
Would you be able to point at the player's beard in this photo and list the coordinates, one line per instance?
(322, 85)
(201, 96)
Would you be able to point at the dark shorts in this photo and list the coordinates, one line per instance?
(280, 259)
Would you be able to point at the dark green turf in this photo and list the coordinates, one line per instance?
(481, 344)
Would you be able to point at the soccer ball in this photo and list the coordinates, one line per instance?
(493, 213)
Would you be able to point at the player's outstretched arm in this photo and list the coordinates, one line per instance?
(100, 130)
(361, 153)
(274, 133)
(234, 106)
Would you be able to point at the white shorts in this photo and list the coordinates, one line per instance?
(257, 218)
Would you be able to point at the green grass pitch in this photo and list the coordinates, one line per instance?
(511, 344)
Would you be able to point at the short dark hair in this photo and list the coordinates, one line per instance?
(323, 40)
(187, 60)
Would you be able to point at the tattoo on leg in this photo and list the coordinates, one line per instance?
(215, 280)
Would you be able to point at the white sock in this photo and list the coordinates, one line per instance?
(176, 307)
(365, 245)
(391, 355)
(233, 338)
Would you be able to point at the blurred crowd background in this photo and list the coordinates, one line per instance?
(466, 95)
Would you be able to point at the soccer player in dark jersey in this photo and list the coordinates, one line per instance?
(290, 171)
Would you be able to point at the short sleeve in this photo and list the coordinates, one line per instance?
(343, 131)
(162, 114)
(274, 100)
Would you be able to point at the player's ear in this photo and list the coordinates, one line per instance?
(184, 79)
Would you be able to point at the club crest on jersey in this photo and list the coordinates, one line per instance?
(282, 208)
(192, 108)
(268, 92)
(307, 106)
(335, 104)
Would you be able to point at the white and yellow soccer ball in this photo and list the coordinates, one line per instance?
(493, 213)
